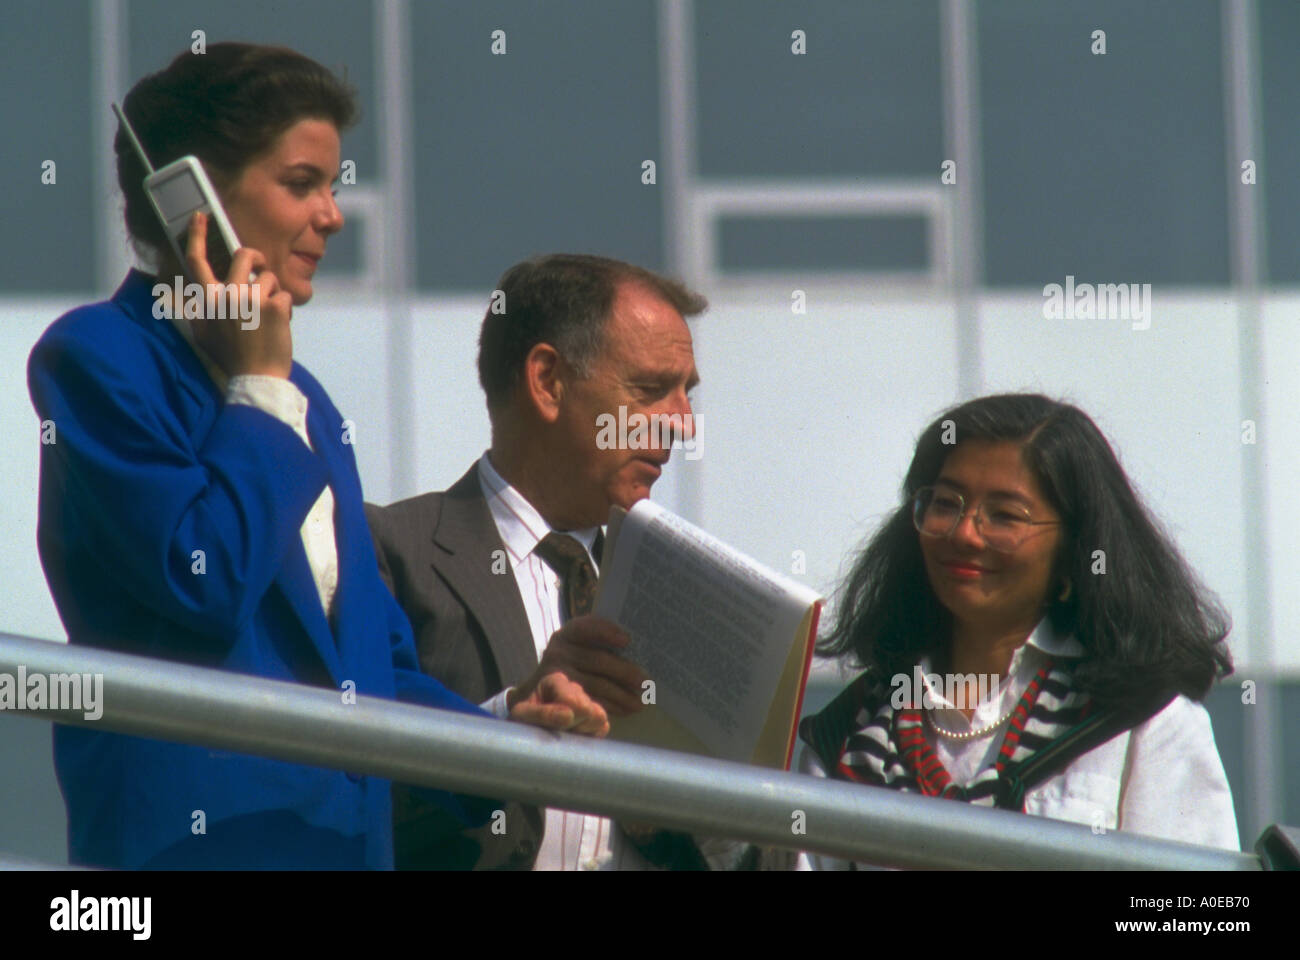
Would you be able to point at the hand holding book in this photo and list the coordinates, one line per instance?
(725, 642)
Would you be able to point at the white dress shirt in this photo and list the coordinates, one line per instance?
(1163, 778)
(573, 841)
(283, 400)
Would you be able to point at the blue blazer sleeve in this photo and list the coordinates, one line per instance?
(196, 533)
(170, 525)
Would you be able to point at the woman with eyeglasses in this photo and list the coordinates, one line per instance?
(1061, 643)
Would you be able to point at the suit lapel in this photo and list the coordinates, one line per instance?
(465, 539)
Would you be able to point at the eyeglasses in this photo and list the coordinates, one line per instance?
(1001, 522)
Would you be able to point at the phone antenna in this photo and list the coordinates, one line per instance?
(126, 125)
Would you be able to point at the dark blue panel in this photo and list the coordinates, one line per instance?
(1229, 722)
(1287, 751)
(864, 99)
(1279, 41)
(45, 84)
(1111, 167)
(848, 243)
(539, 149)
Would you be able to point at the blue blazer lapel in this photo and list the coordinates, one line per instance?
(295, 578)
(352, 615)
(295, 582)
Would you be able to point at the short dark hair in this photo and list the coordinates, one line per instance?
(562, 299)
(226, 106)
(1148, 624)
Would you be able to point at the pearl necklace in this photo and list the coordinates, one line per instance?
(970, 734)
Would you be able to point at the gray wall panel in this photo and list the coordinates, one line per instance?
(1107, 167)
(539, 149)
(826, 243)
(863, 100)
(48, 241)
(1279, 34)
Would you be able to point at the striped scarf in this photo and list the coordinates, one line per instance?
(862, 738)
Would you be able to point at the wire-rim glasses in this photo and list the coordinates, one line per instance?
(1002, 522)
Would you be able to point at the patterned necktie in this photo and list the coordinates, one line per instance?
(567, 557)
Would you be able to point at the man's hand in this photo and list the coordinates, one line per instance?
(586, 651)
(558, 703)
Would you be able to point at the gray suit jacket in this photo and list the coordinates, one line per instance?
(471, 632)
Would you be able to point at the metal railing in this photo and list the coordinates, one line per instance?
(485, 757)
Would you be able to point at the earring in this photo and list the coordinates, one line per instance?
(1066, 591)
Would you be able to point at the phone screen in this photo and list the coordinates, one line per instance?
(178, 196)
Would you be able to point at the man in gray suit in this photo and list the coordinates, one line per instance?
(496, 572)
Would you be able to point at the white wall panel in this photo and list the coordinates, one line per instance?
(27, 608)
(452, 429)
(1279, 448)
(345, 348)
(809, 422)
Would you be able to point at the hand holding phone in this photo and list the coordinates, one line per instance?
(266, 347)
(177, 192)
(203, 240)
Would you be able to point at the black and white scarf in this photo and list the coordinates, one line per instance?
(861, 737)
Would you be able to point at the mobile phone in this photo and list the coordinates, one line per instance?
(177, 192)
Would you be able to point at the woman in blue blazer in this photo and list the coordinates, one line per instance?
(200, 501)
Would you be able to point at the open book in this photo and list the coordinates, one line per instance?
(726, 641)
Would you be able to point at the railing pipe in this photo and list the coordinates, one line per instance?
(474, 755)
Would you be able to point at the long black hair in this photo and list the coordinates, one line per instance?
(1146, 622)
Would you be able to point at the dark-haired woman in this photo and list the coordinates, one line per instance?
(1021, 555)
(200, 502)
